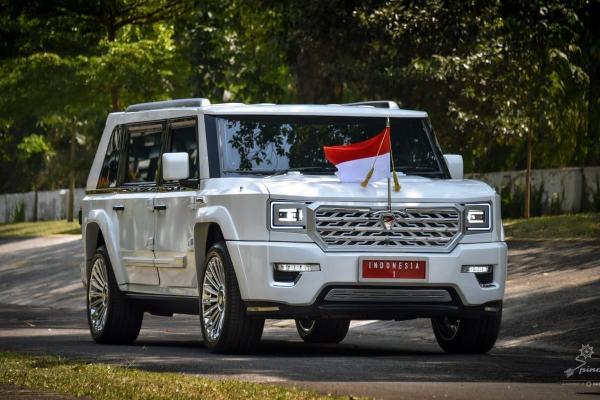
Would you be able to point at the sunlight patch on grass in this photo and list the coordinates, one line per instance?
(103, 381)
(568, 226)
(41, 228)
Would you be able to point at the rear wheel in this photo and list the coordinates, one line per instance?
(225, 325)
(322, 330)
(112, 318)
(467, 335)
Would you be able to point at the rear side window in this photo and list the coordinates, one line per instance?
(109, 172)
(185, 139)
(143, 152)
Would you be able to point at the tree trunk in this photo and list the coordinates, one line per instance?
(114, 88)
(71, 198)
(114, 95)
(528, 173)
(313, 86)
(593, 128)
(35, 204)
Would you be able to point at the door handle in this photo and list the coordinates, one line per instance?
(119, 208)
(160, 207)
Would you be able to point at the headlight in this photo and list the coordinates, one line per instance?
(288, 215)
(478, 217)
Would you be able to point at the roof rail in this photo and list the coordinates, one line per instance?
(156, 105)
(376, 104)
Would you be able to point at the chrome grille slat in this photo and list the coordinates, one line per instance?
(389, 295)
(408, 220)
(377, 229)
(360, 228)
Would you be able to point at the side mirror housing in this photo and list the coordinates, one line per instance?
(175, 166)
(455, 165)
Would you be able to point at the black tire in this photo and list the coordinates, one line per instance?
(123, 318)
(467, 335)
(239, 333)
(322, 330)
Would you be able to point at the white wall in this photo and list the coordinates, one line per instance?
(574, 187)
(52, 205)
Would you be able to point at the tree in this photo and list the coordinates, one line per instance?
(70, 59)
(36, 151)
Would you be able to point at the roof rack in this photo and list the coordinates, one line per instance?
(376, 104)
(157, 105)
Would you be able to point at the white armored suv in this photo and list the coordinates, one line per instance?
(232, 212)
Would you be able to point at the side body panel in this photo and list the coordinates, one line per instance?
(136, 236)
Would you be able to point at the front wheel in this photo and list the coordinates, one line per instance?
(322, 330)
(226, 327)
(467, 335)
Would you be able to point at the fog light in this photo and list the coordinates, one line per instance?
(285, 267)
(477, 269)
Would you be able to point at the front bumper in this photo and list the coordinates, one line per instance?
(254, 266)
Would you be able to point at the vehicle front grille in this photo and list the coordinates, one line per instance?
(402, 229)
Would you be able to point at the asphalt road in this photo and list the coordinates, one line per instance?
(552, 308)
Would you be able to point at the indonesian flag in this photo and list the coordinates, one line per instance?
(355, 161)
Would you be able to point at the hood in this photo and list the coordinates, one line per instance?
(413, 189)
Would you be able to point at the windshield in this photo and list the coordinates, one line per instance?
(278, 143)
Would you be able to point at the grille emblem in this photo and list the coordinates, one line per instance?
(387, 218)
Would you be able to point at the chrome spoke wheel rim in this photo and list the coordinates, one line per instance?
(306, 325)
(448, 327)
(213, 298)
(98, 295)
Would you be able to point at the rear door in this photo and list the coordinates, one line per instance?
(134, 204)
(175, 203)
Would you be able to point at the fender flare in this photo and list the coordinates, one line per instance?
(220, 216)
(111, 241)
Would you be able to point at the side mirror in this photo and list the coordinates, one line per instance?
(455, 165)
(175, 166)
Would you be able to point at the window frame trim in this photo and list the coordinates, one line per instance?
(168, 143)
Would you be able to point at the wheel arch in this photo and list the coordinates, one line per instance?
(207, 234)
(99, 230)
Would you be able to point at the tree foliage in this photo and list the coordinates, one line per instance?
(489, 73)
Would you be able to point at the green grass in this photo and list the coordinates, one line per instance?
(569, 226)
(103, 381)
(42, 228)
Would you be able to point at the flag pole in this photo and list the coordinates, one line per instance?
(394, 174)
(389, 181)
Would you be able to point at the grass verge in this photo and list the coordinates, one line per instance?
(102, 381)
(568, 226)
(41, 228)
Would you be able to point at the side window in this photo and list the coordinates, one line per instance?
(143, 152)
(185, 139)
(110, 167)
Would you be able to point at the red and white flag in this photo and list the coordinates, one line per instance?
(355, 161)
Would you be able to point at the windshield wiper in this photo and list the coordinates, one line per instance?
(250, 172)
(416, 168)
(315, 170)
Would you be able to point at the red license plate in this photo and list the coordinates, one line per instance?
(394, 269)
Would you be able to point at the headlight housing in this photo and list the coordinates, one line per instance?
(478, 217)
(288, 215)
